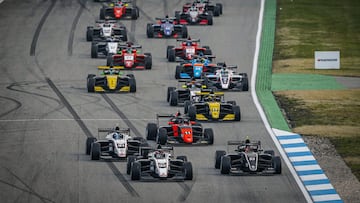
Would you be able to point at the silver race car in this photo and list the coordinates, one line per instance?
(117, 144)
(104, 29)
(159, 164)
(247, 158)
(225, 78)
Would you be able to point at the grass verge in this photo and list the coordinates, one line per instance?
(302, 27)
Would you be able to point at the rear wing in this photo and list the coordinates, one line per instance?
(103, 21)
(109, 67)
(170, 18)
(187, 40)
(109, 130)
(208, 92)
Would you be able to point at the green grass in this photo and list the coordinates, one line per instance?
(325, 114)
(304, 26)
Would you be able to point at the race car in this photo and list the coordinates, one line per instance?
(111, 80)
(159, 163)
(212, 107)
(178, 130)
(130, 57)
(194, 16)
(104, 29)
(109, 46)
(247, 158)
(118, 10)
(205, 5)
(186, 50)
(225, 78)
(196, 67)
(117, 143)
(166, 28)
(176, 96)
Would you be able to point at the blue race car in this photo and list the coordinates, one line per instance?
(196, 68)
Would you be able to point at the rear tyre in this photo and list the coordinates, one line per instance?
(236, 110)
(216, 11)
(135, 171)
(170, 89)
(148, 61)
(174, 98)
(210, 19)
(225, 165)
(218, 155)
(94, 50)
(102, 14)
(149, 30)
(171, 55)
(89, 34)
(220, 8)
(245, 85)
(178, 71)
(134, 13)
(91, 84)
(277, 164)
(192, 113)
(162, 136)
(168, 50)
(95, 151)
(186, 106)
(184, 32)
(209, 135)
(151, 131)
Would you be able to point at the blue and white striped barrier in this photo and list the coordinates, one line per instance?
(312, 176)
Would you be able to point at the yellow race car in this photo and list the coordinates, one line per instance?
(111, 80)
(211, 106)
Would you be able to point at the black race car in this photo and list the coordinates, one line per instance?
(166, 28)
(247, 158)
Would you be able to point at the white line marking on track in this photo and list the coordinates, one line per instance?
(261, 110)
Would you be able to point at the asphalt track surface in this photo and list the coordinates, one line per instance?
(46, 113)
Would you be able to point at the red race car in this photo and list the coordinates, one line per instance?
(120, 9)
(194, 16)
(130, 57)
(187, 50)
(179, 129)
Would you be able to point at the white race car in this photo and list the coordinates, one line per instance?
(226, 78)
(104, 29)
(117, 144)
(159, 164)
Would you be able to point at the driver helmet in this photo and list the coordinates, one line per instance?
(177, 114)
(117, 128)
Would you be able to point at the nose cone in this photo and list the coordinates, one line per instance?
(187, 135)
(111, 81)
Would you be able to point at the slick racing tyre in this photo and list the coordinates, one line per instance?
(130, 161)
(170, 89)
(225, 165)
(277, 164)
(132, 84)
(135, 171)
(151, 131)
(209, 135)
(188, 171)
(218, 155)
(95, 151)
(162, 136)
(89, 142)
(237, 112)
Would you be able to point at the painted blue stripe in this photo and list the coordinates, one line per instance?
(304, 163)
(323, 192)
(291, 154)
(316, 182)
(287, 137)
(330, 201)
(310, 172)
(294, 145)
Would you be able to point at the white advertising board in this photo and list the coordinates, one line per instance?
(327, 59)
